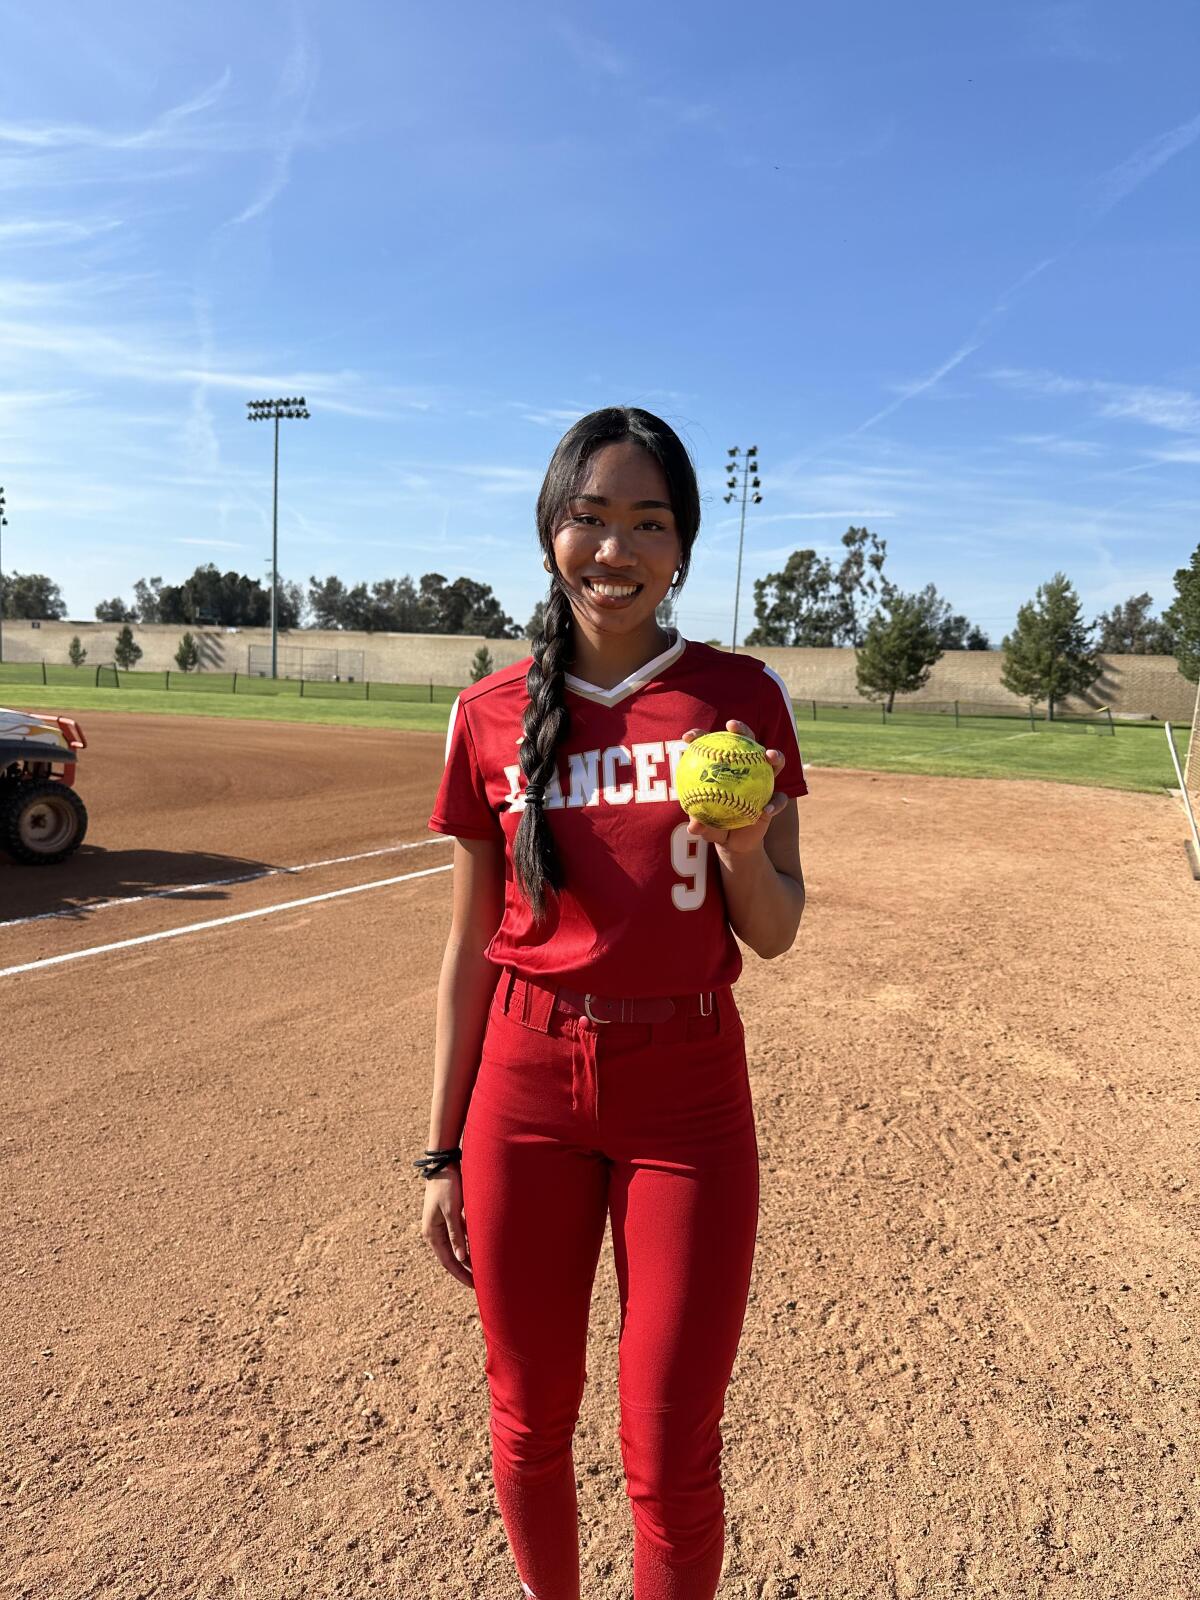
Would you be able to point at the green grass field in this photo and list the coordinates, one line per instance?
(1135, 758)
(285, 707)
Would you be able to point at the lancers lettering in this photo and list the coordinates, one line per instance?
(618, 775)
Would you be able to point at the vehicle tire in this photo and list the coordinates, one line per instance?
(42, 822)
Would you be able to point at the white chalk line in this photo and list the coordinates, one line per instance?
(216, 883)
(217, 922)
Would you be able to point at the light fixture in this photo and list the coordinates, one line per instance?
(748, 480)
(272, 411)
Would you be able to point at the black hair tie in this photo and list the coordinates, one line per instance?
(432, 1162)
(535, 794)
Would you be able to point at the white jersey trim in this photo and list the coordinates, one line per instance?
(635, 680)
(450, 730)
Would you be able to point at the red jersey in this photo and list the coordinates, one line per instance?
(642, 909)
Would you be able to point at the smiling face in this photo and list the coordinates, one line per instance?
(617, 546)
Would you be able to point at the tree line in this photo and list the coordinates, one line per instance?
(212, 598)
(811, 602)
(898, 637)
(815, 605)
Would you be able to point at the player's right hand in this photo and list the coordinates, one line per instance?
(444, 1225)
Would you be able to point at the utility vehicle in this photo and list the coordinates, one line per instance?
(42, 819)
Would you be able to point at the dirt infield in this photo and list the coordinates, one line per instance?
(234, 1370)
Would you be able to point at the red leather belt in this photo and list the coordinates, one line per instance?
(600, 1008)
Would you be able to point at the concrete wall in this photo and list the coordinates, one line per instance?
(1131, 685)
(386, 657)
(1134, 686)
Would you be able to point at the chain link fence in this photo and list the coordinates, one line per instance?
(336, 675)
(50, 674)
(974, 713)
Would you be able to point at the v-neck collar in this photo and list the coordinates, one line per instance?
(635, 680)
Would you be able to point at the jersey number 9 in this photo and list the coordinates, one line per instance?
(689, 857)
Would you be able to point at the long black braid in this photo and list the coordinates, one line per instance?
(546, 722)
(535, 859)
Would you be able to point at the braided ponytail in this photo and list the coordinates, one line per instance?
(535, 860)
(536, 865)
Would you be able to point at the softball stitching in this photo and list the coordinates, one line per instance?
(738, 758)
(691, 797)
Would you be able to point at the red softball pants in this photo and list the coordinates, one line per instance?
(571, 1122)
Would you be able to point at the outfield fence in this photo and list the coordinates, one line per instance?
(308, 688)
(322, 679)
(974, 713)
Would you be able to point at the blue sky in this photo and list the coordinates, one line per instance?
(939, 262)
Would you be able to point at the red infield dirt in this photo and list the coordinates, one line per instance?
(233, 1369)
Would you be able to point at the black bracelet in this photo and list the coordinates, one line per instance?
(432, 1162)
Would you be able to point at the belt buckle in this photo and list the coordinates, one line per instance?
(711, 998)
(587, 1011)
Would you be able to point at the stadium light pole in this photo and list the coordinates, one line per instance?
(750, 485)
(266, 411)
(3, 525)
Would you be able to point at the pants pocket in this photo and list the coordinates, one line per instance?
(697, 1027)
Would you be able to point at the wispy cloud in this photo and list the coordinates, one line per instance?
(156, 355)
(911, 390)
(687, 113)
(199, 434)
(857, 514)
(555, 418)
(972, 343)
(178, 143)
(590, 50)
(1058, 445)
(21, 400)
(1122, 180)
(962, 518)
(863, 148)
(19, 294)
(52, 231)
(293, 96)
(1176, 410)
(502, 480)
(1067, 32)
(172, 130)
(41, 157)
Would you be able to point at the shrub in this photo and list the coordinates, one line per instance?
(187, 657)
(127, 652)
(482, 664)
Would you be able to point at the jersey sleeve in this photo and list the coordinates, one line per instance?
(778, 732)
(461, 807)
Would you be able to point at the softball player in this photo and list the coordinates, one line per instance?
(590, 1060)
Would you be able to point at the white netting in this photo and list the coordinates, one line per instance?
(1191, 772)
(313, 663)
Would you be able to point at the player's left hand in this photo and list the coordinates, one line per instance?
(740, 841)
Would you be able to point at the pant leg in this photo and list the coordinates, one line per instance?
(684, 1203)
(535, 1204)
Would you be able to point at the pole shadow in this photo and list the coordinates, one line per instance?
(93, 875)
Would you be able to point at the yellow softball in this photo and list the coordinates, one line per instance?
(724, 780)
